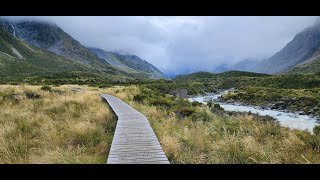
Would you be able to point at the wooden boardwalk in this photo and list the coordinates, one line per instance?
(134, 141)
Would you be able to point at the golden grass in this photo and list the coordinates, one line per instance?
(236, 139)
(70, 128)
(78, 128)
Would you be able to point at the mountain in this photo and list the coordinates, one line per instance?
(20, 61)
(303, 49)
(245, 65)
(50, 37)
(128, 62)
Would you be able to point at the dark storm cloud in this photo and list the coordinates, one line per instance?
(185, 44)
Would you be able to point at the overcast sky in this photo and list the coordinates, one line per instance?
(185, 44)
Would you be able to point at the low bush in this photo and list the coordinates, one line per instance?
(196, 103)
(161, 102)
(139, 98)
(201, 116)
(184, 111)
(32, 95)
(46, 88)
(316, 130)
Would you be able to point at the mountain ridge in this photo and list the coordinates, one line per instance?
(51, 37)
(128, 61)
(298, 51)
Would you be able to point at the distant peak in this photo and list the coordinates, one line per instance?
(26, 20)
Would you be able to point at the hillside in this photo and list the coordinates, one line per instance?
(198, 76)
(128, 63)
(304, 48)
(20, 61)
(52, 38)
(312, 67)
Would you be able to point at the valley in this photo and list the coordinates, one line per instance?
(252, 112)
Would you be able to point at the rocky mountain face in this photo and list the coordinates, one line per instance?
(128, 62)
(303, 49)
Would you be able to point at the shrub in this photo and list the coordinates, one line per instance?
(184, 112)
(316, 130)
(161, 102)
(217, 106)
(209, 104)
(139, 98)
(32, 95)
(46, 88)
(196, 103)
(200, 116)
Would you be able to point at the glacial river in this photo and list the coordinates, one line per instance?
(290, 120)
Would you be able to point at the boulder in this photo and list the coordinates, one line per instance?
(268, 106)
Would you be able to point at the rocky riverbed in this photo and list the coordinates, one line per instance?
(278, 111)
(284, 105)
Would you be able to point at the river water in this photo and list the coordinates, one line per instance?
(290, 120)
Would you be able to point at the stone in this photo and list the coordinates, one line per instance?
(179, 93)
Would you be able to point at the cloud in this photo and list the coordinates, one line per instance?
(185, 44)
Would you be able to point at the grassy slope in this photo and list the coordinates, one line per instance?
(68, 128)
(312, 67)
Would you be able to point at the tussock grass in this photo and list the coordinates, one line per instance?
(69, 127)
(207, 137)
(77, 127)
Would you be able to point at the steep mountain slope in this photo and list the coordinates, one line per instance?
(19, 58)
(51, 37)
(304, 48)
(128, 62)
(311, 67)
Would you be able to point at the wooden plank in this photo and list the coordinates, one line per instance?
(134, 141)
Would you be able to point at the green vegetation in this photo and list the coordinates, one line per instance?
(290, 92)
(312, 67)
